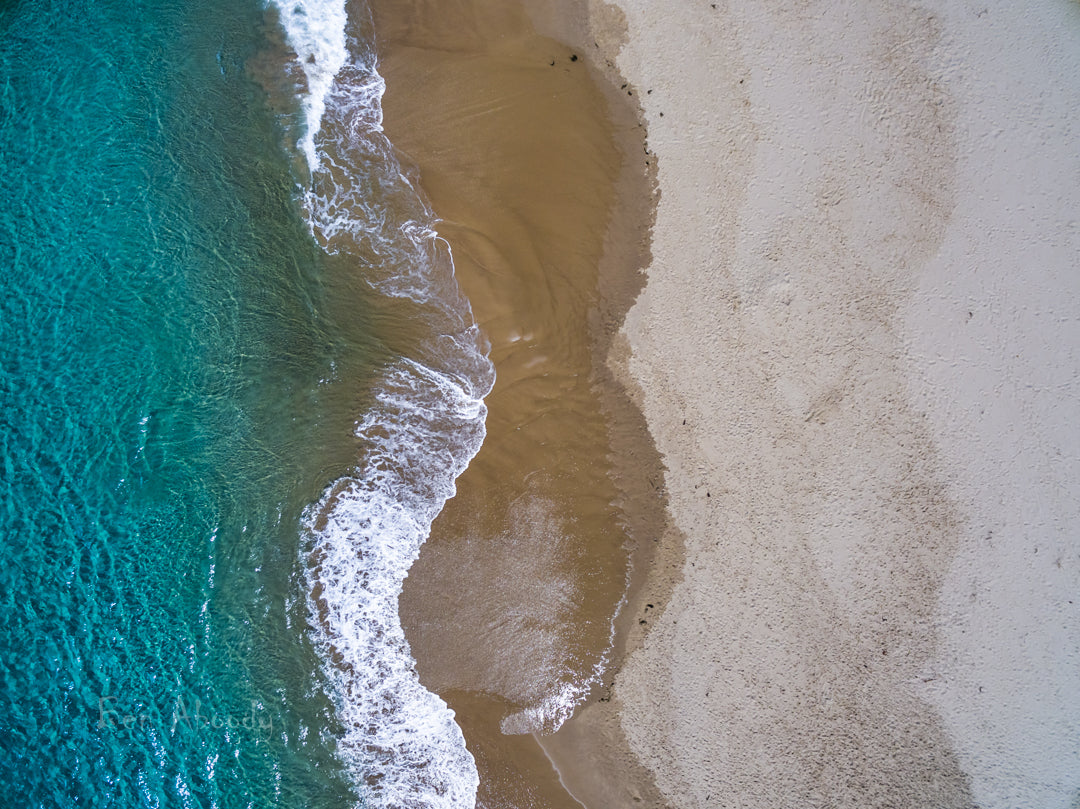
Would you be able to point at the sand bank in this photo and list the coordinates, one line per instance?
(859, 355)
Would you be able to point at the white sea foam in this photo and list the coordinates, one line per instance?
(425, 424)
(564, 694)
(363, 536)
(316, 31)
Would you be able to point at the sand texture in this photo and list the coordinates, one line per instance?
(858, 352)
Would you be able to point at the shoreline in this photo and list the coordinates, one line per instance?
(809, 607)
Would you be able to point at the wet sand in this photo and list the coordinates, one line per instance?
(526, 158)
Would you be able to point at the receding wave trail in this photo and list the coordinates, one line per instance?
(424, 426)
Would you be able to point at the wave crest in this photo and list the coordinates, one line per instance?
(424, 427)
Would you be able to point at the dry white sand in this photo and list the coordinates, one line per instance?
(859, 353)
(993, 344)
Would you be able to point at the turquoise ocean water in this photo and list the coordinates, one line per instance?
(237, 380)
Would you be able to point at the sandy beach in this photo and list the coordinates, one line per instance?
(856, 579)
(858, 354)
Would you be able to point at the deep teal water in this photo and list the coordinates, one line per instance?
(167, 330)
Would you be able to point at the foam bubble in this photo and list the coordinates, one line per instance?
(423, 429)
(316, 31)
(362, 538)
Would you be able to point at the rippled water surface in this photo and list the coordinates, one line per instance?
(188, 374)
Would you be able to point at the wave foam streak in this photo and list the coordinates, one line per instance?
(425, 425)
(316, 30)
(363, 536)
